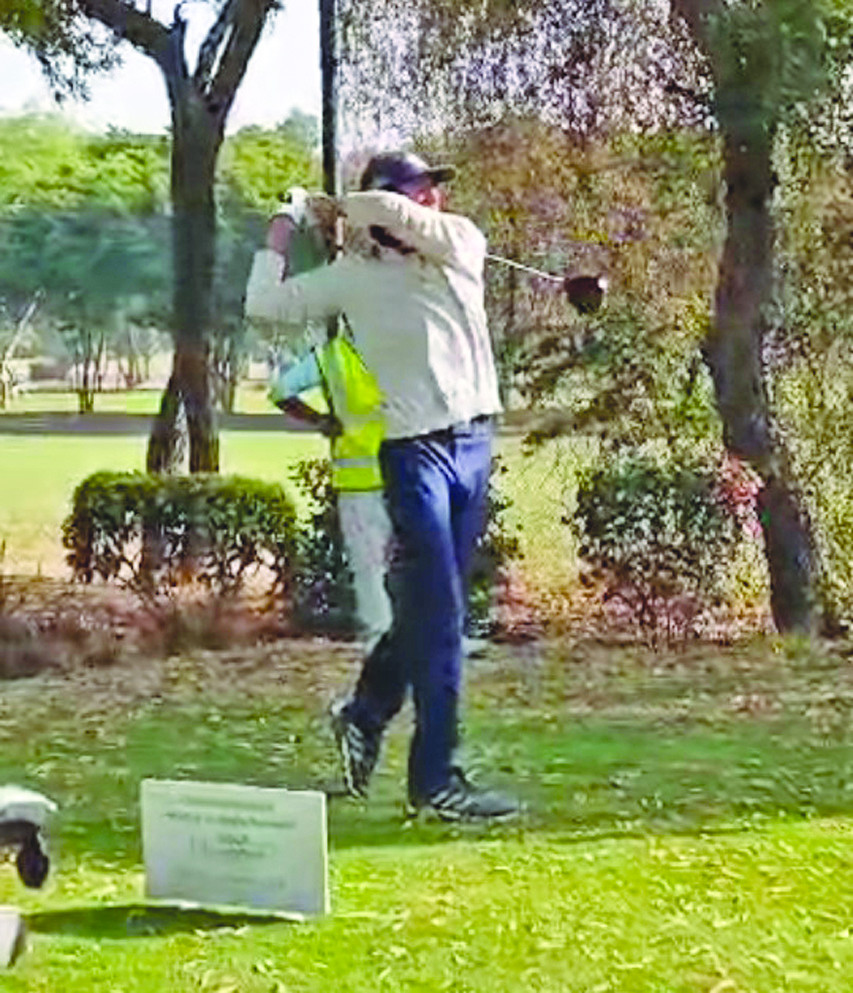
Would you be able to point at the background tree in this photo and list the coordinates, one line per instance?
(76, 196)
(200, 101)
(601, 70)
(257, 166)
(89, 268)
(764, 60)
(15, 329)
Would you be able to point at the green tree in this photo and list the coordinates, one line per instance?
(765, 61)
(87, 268)
(739, 68)
(200, 100)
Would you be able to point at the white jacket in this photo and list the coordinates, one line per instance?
(417, 319)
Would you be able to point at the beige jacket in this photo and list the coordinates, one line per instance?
(417, 319)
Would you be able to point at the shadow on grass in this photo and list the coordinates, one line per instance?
(138, 920)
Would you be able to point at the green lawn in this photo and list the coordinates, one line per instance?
(40, 473)
(251, 399)
(688, 826)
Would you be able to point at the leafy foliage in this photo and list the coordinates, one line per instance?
(154, 533)
(65, 168)
(588, 66)
(262, 164)
(659, 537)
(498, 548)
(68, 48)
(644, 212)
(84, 222)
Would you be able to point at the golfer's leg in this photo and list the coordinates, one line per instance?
(469, 497)
(428, 602)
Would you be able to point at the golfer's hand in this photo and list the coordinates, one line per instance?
(327, 209)
(279, 233)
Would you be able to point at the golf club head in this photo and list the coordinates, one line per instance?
(585, 293)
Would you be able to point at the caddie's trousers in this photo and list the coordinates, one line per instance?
(436, 487)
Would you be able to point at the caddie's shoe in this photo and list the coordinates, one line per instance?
(460, 800)
(358, 749)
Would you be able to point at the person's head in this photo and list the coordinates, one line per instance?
(406, 173)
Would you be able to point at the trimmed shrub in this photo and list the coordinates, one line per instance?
(659, 538)
(152, 533)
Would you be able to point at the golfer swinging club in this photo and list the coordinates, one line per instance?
(414, 301)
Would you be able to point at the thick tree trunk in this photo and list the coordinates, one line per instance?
(744, 292)
(168, 441)
(733, 353)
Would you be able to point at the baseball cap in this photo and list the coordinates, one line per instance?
(396, 170)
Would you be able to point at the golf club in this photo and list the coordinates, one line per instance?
(585, 293)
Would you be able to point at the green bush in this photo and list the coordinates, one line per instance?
(659, 538)
(496, 549)
(153, 533)
(323, 595)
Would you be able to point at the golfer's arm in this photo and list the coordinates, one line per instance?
(271, 297)
(444, 237)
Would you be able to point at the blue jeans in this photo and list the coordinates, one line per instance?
(436, 487)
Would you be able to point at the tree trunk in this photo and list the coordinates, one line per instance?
(168, 441)
(744, 294)
(200, 103)
(733, 353)
(195, 145)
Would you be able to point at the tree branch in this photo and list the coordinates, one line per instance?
(247, 23)
(209, 51)
(140, 29)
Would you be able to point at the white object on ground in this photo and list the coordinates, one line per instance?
(20, 804)
(12, 936)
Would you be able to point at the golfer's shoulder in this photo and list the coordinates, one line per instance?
(467, 229)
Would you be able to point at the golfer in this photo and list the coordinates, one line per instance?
(414, 301)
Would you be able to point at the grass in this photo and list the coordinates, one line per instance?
(688, 826)
(251, 399)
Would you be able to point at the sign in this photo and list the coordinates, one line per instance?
(224, 845)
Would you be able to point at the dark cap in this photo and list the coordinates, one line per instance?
(397, 170)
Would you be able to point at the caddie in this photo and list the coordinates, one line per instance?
(356, 428)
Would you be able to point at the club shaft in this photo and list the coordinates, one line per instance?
(524, 268)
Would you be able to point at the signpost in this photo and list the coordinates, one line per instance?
(220, 845)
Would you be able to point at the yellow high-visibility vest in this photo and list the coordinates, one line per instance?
(355, 398)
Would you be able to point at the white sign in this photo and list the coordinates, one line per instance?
(218, 844)
(12, 936)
